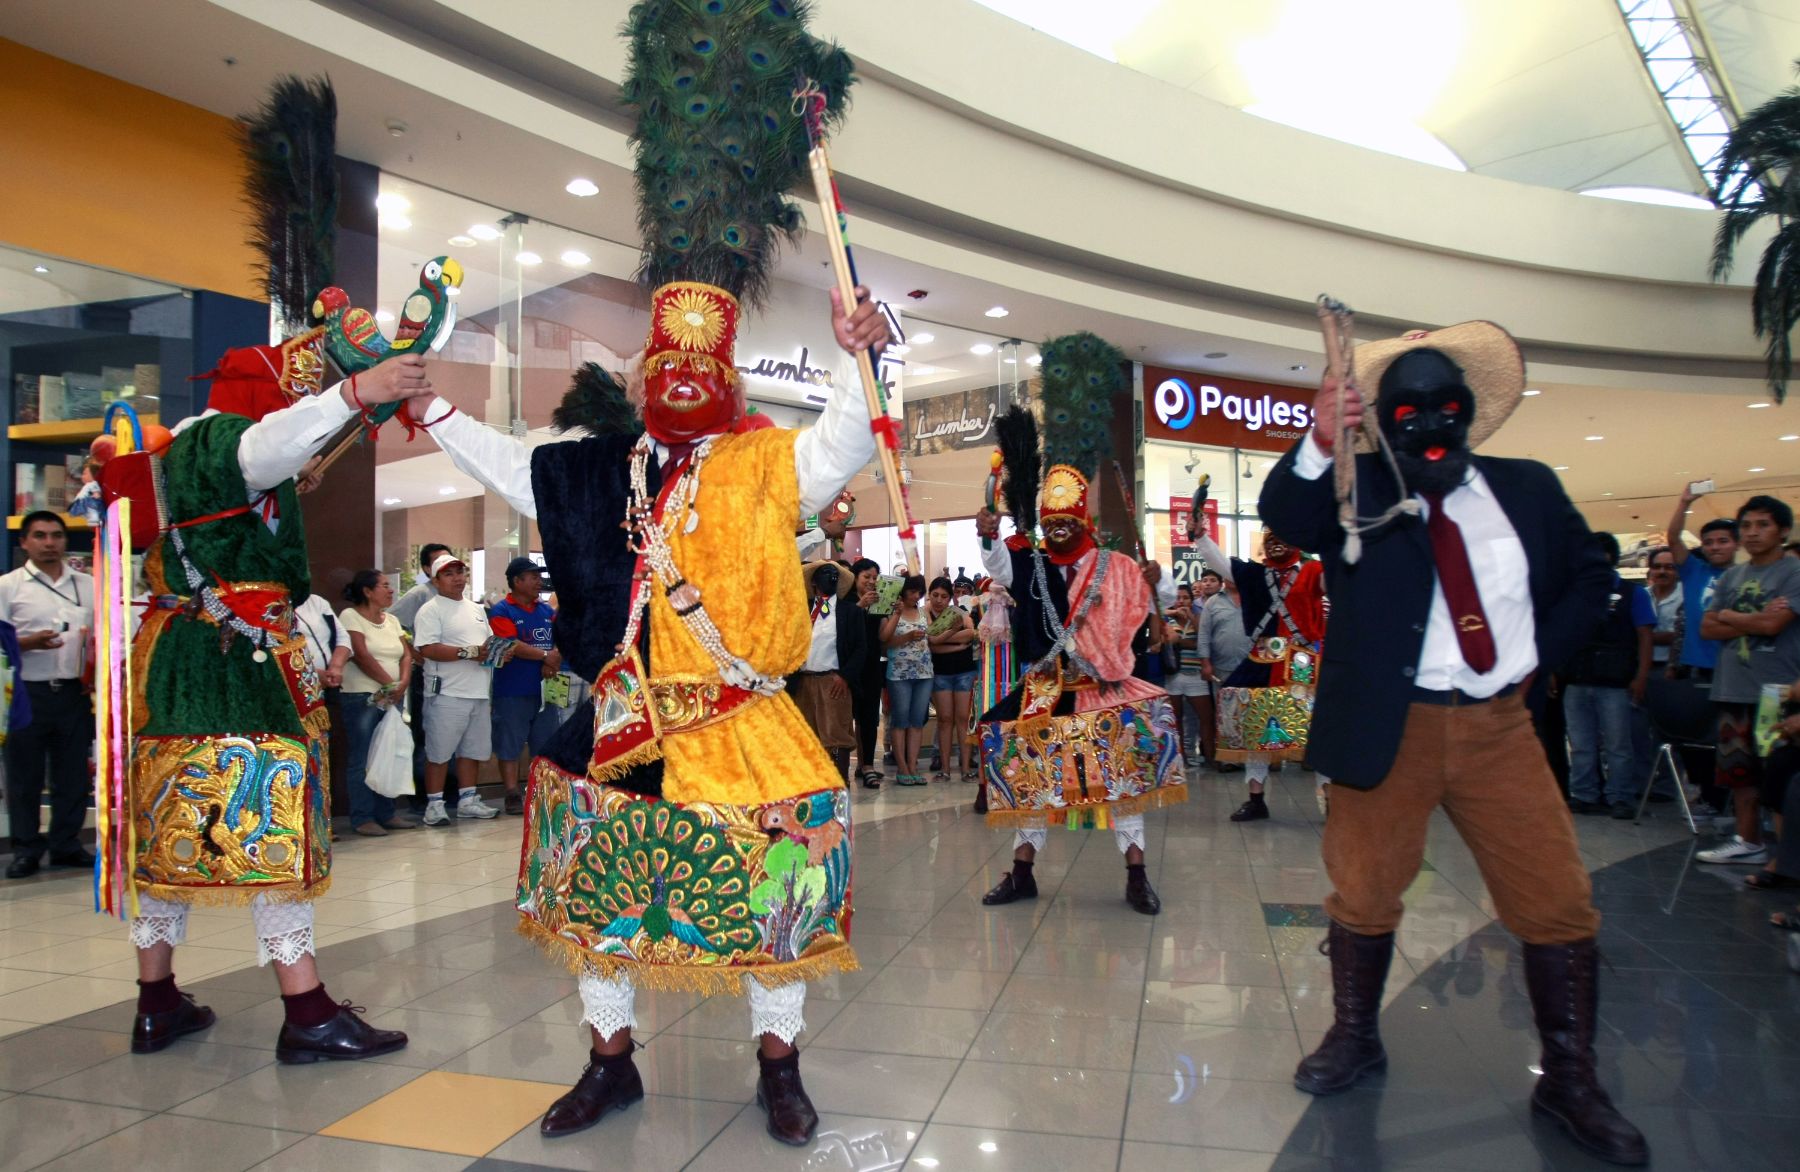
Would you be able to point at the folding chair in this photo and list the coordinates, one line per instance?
(1681, 717)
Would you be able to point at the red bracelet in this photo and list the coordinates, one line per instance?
(356, 398)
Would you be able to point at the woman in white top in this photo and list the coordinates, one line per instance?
(374, 681)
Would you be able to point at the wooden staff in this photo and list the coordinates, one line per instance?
(1137, 538)
(884, 427)
(1338, 322)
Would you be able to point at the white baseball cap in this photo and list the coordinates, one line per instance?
(442, 562)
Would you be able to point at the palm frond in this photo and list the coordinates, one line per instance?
(291, 187)
(718, 140)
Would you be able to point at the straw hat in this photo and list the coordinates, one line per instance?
(1491, 364)
(845, 577)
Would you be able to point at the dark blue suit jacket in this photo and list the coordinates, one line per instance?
(1380, 604)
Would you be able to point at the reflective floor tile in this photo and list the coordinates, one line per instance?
(729, 1017)
(943, 988)
(1213, 966)
(299, 1098)
(168, 1143)
(64, 996)
(972, 953)
(46, 1053)
(39, 1130)
(1148, 1157)
(1043, 1099)
(510, 996)
(1210, 1004)
(902, 1029)
(1238, 1114)
(413, 1116)
(849, 1142)
(882, 1085)
(1056, 959)
(433, 1038)
(655, 1135)
(991, 1149)
(320, 1153)
(1070, 996)
(1080, 1043)
(156, 1082)
(538, 1051)
(700, 1068)
(1199, 1052)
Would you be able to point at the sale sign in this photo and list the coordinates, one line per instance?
(1179, 508)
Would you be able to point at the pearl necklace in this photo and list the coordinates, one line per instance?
(650, 541)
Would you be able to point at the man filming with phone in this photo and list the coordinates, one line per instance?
(1718, 549)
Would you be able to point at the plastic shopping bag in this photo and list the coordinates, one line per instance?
(390, 757)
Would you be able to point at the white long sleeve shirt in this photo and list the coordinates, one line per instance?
(996, 559)
(826, 455)
(1502, 578)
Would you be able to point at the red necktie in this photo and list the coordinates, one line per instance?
(1458, 581)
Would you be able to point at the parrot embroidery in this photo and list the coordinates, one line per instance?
(354, 339)
(816, 823)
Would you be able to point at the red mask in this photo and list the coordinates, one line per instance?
(682, 403)
(691, 387)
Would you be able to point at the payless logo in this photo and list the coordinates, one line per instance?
(1177, 405)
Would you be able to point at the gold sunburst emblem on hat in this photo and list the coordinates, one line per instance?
(693, 320)
(1063, 490)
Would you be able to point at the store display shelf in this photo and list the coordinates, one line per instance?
(67, 431)
(74, 524)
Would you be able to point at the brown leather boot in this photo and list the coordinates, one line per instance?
(1565, 997)
(610, 1083)
(1352, 1047)
(792, 1119)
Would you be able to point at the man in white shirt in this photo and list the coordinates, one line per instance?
(52, 609)
(1480, 571)
(452, 636)
(327, 643)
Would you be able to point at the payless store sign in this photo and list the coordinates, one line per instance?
(1224, 412)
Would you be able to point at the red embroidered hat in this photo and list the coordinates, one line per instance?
(253, 381)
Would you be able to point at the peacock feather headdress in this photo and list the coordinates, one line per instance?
(719, 141)
(291, 186)
(1081, 373)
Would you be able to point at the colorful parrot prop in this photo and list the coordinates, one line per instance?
(356, 343)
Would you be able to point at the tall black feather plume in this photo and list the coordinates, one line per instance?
(1016, 433)
(596, 403)
(719, 143)
(291, 185)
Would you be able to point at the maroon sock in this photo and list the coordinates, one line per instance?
(158, 996)
(312, 1008)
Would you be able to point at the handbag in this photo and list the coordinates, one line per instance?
(389, 771)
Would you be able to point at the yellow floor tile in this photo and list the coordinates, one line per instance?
(493, 1109)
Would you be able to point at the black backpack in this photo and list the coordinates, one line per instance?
(1610, 659)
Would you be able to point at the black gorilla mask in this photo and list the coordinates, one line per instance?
(1425, 409)
(825, 580)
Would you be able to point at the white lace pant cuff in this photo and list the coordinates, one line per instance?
(608, 1004)
(159, 921)
(1035, 838)
(779, 1011)
(284, 931)
(1255, 770)
(1129, 832)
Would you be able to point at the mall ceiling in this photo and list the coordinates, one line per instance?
(1547, 92)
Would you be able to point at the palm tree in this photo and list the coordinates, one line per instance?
(1758, 174)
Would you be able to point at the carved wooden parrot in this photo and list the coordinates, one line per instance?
(354, 339)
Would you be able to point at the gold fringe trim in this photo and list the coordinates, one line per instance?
(232, 896)
(1159, 798)
(618, 767)
(1241, 756)
(706, 980)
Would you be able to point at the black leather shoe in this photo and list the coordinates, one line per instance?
(345, 1038)
(1579, 806)
(1253, 810)
(153, 1031)
(1565, 995)
(513, 804)
(1623, 811)
(1141, 896)
(792, 1119)
(22, 867)
(73, 857)
(1010, 889)
(1352, 1047)
(608, 1084)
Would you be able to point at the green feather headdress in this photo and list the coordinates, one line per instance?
(1081, 373)
(719, 142)
(291, 187)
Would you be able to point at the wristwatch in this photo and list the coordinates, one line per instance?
(464, 653)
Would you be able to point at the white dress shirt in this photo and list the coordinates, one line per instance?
(1502, 578)
(826, 455)
(996, 559)
(822, 655)
(276, 447)
(320, 627)
(33, 601)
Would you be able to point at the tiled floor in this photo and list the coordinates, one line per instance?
(1065, 1034)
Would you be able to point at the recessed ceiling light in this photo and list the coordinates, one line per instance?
(462, 242)
(923, 339)
(1218, 354)
(1035, 360)
(393, 221)
(981, 348)
(447, 490)
(1012, 362)
(392, 201)
(989, 1146)
(530, 258)
(1532, 391)
(1764, 403)
(1788, 439)
(1606, 494)
(382, 315)
(40, 268)
(582, 187)
(484, 232)
(1560, 468)
(575, 258)
(1593, 439)
(390, 500)
(997, 311)
(1298, 366)
(901, 350)
(1759, 468)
